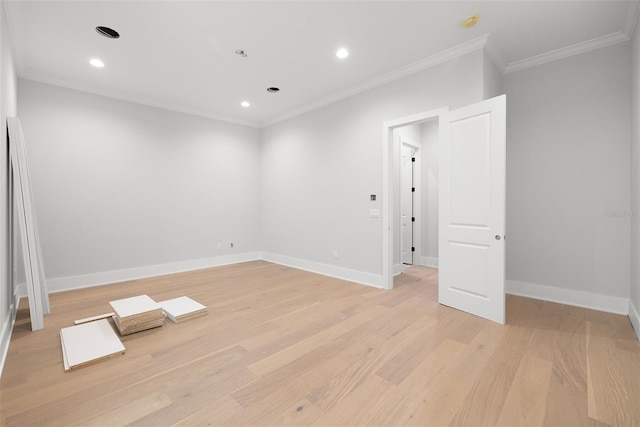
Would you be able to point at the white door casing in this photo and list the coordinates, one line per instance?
(472, 161)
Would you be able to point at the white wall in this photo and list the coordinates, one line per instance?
(7, 108)
(492, 79)
(429, 135)
(634, 309)
(119, 185)
(568, 174)
(318, 169)
(410, 133)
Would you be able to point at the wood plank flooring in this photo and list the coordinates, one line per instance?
(280, 346)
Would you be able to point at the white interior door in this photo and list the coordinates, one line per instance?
(472, 208)
(406, 204)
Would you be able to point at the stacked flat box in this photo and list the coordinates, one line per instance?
(89, 343)
(182, 308)
(137, 314)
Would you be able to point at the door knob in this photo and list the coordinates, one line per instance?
(497, 237)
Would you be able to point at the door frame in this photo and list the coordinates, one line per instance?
(387, 187)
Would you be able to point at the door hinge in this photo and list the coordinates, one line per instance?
(413, 219)
(413, 249)
(413, 159)
(413, 189)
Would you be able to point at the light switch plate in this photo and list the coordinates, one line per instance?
(374, 213)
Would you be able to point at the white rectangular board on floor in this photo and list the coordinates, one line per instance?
(89, 342)
(182, 307)
(135, 305)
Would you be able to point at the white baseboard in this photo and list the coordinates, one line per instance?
(617, 305)
(397, 269)
(429, 261)
(84, 281)
(88, 280)
(7, 329)
(363, 278)
(635, 318)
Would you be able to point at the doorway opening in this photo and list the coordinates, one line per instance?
(471, 212)
(410, 197)
(415, 176)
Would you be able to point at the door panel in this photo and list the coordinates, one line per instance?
(472, 208)
(475, 257)
(406, 181)
(470, 198)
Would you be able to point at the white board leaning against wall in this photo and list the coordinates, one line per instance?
(27, 225)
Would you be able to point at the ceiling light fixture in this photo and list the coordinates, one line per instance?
(107, 32)
(342, 53)
(273, 89)
(241, 53)
(245, 104)
(470, 21)
(96, 63)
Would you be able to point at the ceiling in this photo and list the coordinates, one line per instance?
(181, 55)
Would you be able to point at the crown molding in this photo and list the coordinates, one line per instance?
(423, 64)
(37, 77)
(565, 52)
(494, 54)
(26, 74)
(485, 42)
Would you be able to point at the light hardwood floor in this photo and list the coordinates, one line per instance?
(281, 346)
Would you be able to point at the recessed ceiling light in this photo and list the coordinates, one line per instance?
(470, 21)
(273, 89)
(245, 104)
(96, 63)
(342, 53)
(109, 33)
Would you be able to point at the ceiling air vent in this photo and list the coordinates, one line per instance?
(109, 33)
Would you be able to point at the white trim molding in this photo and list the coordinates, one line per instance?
(565, 52)
(494, 53)
(609, 304)
(397, 269)
(95, 279)
(415, 67)
(634, 317)
(142, 100)
(429, 262)
(116, 276)
(485, 42)
(7, 329)
(373, 280)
